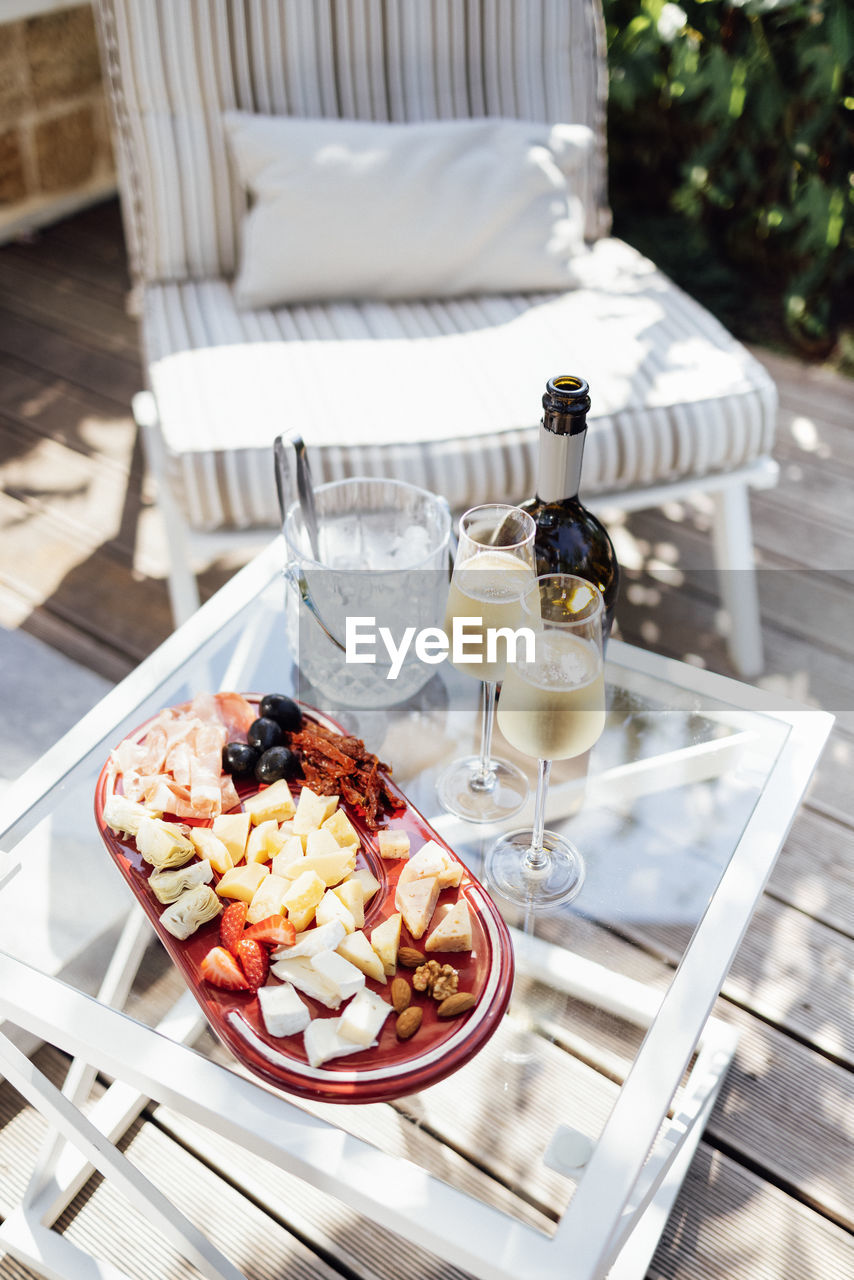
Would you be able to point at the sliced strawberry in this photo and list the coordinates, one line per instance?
(231, 926)
(275, 931)
(255, 962)
(220, 968)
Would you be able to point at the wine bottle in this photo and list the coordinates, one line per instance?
(569, 538)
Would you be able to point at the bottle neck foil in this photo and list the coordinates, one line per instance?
(559, 465)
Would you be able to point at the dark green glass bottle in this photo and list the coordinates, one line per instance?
(569, 538)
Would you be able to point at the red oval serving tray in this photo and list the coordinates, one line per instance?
(392, 1069)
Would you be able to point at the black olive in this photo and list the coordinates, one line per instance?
(275, 763)
(264, 733)
(239, 758)
(283, 710)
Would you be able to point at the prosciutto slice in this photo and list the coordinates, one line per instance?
(177, 767)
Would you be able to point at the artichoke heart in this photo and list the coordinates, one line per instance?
(124, 815)
(163, 844)
(167, 886)
(194, 908)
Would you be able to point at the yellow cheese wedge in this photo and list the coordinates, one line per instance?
(352, 895)
(453, 932)
(233, 831)
(419, 887)
(268, 899)
(265, 841)
(416, 902)
(243, 882)
(370, 884)
(356, 948)
(210, 846)
(342, 829)
(331, 867)
(274, 801)
(320, 841)
(385, 940)
(290, 855)
(287, 829)
(332, 908)
(312, 810)
(302, 896)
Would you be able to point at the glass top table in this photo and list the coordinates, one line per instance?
(568, 1134)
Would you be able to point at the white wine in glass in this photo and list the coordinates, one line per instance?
(493, 569)
(552, 708)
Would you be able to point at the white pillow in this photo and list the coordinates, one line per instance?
(354, 209)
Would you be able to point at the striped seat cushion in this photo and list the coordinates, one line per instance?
(446, 394)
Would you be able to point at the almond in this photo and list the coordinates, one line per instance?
(408, 1022)
(409, 957)
(453, 1006)
(401, 994)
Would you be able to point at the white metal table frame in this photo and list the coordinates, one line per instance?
(619, 1207)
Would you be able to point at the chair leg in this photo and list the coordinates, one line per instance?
(183, 587)
(733, 544)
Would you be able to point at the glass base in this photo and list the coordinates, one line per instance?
(501, 794)
(559, 880)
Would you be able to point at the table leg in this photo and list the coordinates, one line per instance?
(100, 1152)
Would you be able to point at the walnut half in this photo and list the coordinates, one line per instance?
(439, 980)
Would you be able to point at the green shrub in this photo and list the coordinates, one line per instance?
(731, 136)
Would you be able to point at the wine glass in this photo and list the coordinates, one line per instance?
(493, 569)
(552, 708)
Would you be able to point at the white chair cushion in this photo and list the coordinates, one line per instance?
(447, 393)
(439, 209)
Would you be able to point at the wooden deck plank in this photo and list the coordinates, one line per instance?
(729, 1224)
(790, 970)
(52, 300)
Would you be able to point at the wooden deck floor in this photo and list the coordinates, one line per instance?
(771, 1193)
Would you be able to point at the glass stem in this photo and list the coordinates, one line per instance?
(536, 859)
(484, 779)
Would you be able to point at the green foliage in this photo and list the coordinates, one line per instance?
(731, 136)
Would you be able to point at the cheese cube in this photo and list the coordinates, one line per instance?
(362, 1020)
(301, 918)
(312, 810)
(331, 867)
(268, 899)
(264, 842)
(323, 1042)
(309, 980)
(332, 908)
(233, 831)
(274, 801)
(289, 856)
(321, 841)
(393, 844)
(287, 828)
(339, 972)
(209, 846)
(342, 829)
(324, 938)
(351, 894)
(385, 940)
(453, 932)
(242, 882)
(304, 894)
(356, 948)
(283, 1012)
(370, 884)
